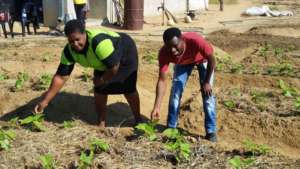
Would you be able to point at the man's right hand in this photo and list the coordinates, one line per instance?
(155, 114)
(39, 108)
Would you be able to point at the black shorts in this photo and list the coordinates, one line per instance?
(116, 86)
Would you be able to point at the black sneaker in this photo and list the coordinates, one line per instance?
(211, 137)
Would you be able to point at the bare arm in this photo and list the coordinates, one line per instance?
(57, 83)
(211, 64)
(160, 92)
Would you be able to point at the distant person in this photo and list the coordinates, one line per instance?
(186, 51)
(80, 9)
(114, 58)
(221, 5)
(220, 1)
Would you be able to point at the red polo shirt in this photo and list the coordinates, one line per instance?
(197, 50)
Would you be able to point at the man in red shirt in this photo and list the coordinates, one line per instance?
(186, 51)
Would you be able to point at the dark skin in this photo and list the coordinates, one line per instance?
(78, 40)
(176, 47)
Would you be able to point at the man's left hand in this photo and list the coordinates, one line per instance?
(206, 88)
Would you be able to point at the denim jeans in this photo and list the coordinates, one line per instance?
(181, 75)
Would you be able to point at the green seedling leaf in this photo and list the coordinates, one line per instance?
(148, 129)
(44, 82)
(99, 145)
(86, 160)
(230, 104)
(236, 162)
(69, 124)
(5, 139)
(47, 161)
(34, 122)
(172, 133)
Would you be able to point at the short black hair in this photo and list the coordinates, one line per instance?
(170, 33)
(74, 26)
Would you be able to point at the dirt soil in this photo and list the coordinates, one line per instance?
(251, 105)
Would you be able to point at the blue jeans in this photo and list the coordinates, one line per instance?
(181, 75)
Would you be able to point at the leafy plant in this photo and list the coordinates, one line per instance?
(98, 145)
(21, 79)
(150, 57)
(254, 69)
(297, 103)
(3, 76)
(238, 163)
(230, 104)
(258, 97)
(264, 49)
(287, 91)
(235, 92)
(47, 161)
(5, 139)
(255, 149)
(69, 124)
(177, 145)
(44, 82)
(14, 122)
(34, 122)
(281, 69)
(236, 68)
(86, 159)
(148, 129)
(279, 52)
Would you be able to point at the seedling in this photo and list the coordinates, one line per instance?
(98, 145)
(3, 76)
(230, 104)
(5, 139)
(235, 92)
(297, 103)
(14, 122)
(44, 82)
(264, 49)
(34, 122)
(177, 145)
(69, 124)
(86, 159)
(47, 161)
(241, 163)
(21, 79)
(150, 57)
(236, 68)
(255, 149)
(287, 91)
(279, 52)
(148, 129)
(258, 97)
(254, 69)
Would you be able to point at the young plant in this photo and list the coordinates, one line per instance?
(14, 122)
(150, 57)
(238, 163)
(255, 149)
(86, 159)
(5, 139)
(254, 69)
(47, 161)
(286, 90)
(21, 79)
(177, 145)
(259, 97)
(3, 76)
(236, 68)
(148, 129)
(279, 52)
(34, 122)
(69, 124)
(98, 145)
(230, 104)
(44, 82)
